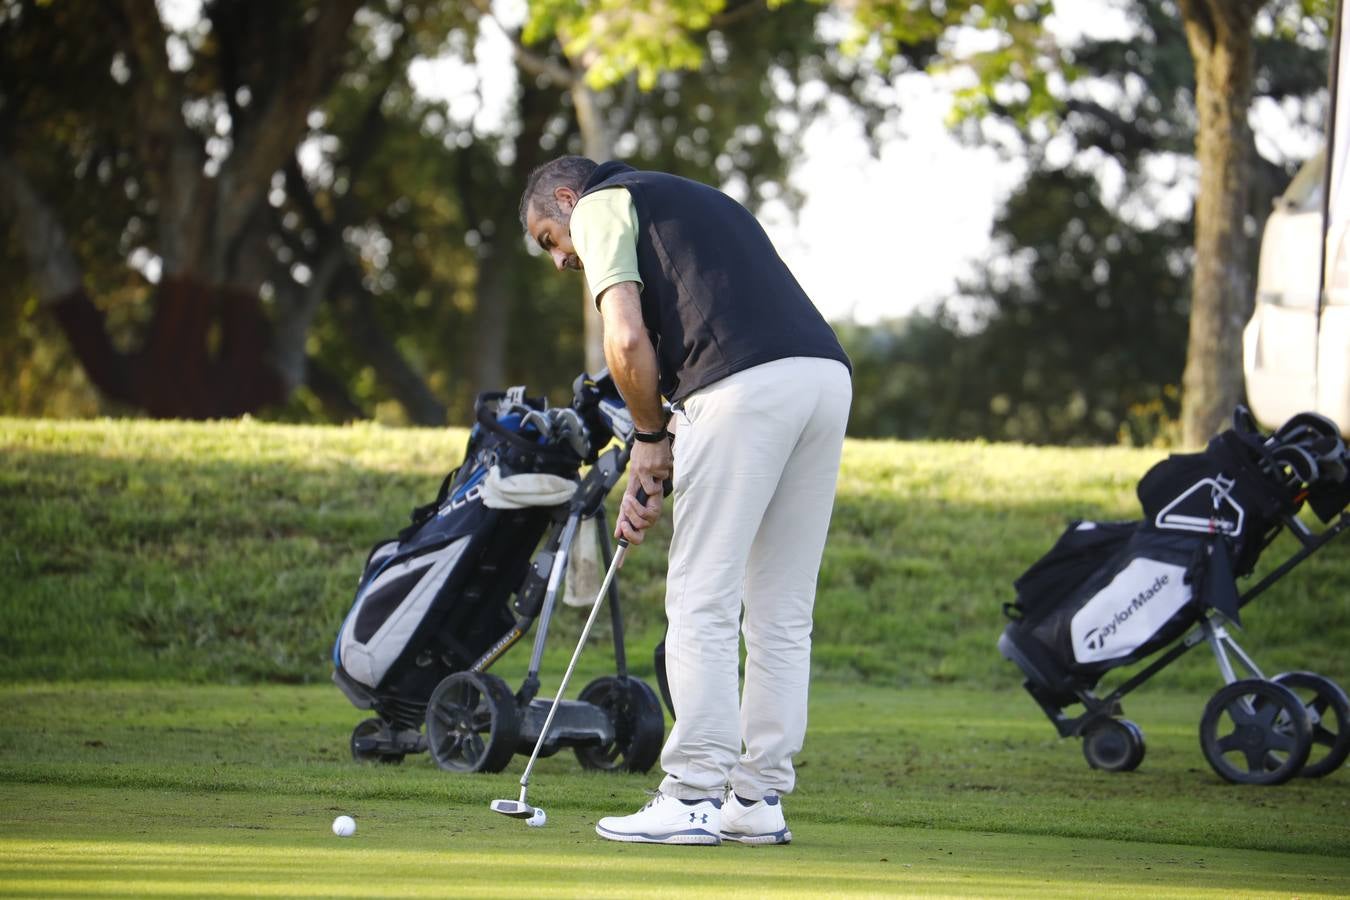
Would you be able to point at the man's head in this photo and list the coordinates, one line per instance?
(551, 193)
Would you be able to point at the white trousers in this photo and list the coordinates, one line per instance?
(756, 462)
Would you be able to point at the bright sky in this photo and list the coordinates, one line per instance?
(879, 236)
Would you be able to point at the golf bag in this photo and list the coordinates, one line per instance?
(436, 605)
(1110, 594)
(501, 495)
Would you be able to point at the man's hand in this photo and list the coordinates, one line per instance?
(650, 466)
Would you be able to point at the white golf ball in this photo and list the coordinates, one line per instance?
(538, 820)
(344, 826)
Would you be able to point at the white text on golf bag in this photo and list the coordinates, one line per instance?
(1139, 601)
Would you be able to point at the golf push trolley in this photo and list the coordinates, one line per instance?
(467, 579)
(1112, 594)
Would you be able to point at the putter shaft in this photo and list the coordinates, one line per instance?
(576, 654)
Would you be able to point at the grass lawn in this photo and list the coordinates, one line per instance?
(172, 591)
(228, 551)
(144, 790)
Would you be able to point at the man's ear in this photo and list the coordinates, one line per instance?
(566, 197)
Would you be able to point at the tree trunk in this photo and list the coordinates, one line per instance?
(492, 285)
(84, 326)
(597, 146)
(502, 255)
(356, 314)
(1219, 33)
(492, 316)
(332, 394)
(209, 351)
(205, 356)
(205, 352)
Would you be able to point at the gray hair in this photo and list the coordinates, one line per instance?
(565, 171)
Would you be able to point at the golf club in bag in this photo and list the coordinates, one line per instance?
(473, 572)
(1110, 594)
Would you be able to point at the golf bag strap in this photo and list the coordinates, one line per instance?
(420, 514)
(1219, 585)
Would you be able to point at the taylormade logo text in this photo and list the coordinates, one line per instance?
(1098, 637)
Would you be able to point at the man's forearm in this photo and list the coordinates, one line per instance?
(631, 357)
(634, 372)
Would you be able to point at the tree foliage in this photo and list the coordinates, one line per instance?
(267, 175)
(613, 39)
(1012, 61)
(1075, 330)
(1079, 332)
(377, 249)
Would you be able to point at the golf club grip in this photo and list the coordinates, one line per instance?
(642, 495)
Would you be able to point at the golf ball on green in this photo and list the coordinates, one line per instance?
(344, 826)
(538, 820)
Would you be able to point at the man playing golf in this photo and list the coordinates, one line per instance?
(698, 308)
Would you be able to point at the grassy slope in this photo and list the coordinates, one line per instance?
(228, 552)
(136, 789)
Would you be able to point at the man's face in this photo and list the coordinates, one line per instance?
(551, 232)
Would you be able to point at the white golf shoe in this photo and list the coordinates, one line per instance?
(761, 822)
(667, 820)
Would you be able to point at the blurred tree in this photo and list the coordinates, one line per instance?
(1075, 331)
(608, 42)
(1224, 38)
(381, 268)
(1081, 326)
(166, 161)
(1221, 37)
(727, 114)
(731, 122)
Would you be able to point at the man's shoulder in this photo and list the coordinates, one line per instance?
(627, 176)
(606, 204)
(608, 193)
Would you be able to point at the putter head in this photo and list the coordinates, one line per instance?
(516, 809)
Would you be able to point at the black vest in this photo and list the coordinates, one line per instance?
(716, 297)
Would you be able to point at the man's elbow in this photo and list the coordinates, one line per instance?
(624, 342)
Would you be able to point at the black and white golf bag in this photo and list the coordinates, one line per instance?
(1111, 593)
(450, 587)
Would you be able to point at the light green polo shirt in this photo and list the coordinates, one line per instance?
(604, 232)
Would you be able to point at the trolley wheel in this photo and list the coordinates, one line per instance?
(1255, 732)
(472, 723)
(1113, 745)
(1329, 712)
(639, 725)
(366, 739)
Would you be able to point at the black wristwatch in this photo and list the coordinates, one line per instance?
(650, 437)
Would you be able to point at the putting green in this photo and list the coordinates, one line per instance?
(144, 843)
(136, 790)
